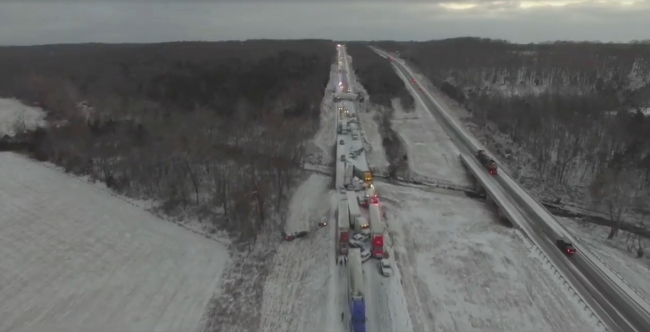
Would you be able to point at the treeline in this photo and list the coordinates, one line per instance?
(217, 129)
(574, 108)
(378, 77)
(486, 64)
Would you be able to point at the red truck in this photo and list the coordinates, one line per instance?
(487, 162)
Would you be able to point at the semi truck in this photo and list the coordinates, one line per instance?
(487, 162)
(353, 202)
(347, 176)
(362, 225)
(343, 227)
(364, 174)
(376, 232)
(356, 297)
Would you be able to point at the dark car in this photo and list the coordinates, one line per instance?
(300, 234)
(566, 247)
(288, 237)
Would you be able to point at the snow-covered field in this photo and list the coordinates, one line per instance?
(614, 252)
(73, 257)
(431, 153)
(464, 271)
(15, 115)
(375, 153)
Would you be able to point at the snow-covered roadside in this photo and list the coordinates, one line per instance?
(634, 271)
(15, 115)
(463, 271)
(296, 289)
(319, 150)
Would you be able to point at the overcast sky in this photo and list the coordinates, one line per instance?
(27, 22)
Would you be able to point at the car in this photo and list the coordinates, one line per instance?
(342, 157)
(323, 222)
(413, 80)
(365, 254)
(384, 268)
(565, 246)
(300, 234)
(359, 237)
(356, 244)
(390, 58)
(341, 142)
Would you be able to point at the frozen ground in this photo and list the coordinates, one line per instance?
(375, 154)
(614, 252)
(432, 154)
(321, 147)
(464, 271)
(75, 258)
(15, 115)
(296, 294)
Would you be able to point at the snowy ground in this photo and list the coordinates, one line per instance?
(295, 296)
(431, 153)
(614, 252)
(320, 148)
(74, 257)
(15, 115)
(464, 271)
(375, 154)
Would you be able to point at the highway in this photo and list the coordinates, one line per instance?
(616, 308)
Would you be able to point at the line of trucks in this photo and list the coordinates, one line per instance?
(349, 217)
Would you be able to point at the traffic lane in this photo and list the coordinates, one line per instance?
(598, 302)
(621, 308)
(591, 292)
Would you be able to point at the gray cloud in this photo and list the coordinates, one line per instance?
(36, 22)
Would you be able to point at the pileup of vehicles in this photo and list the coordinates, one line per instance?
(487, 162)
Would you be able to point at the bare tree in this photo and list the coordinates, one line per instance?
(612, 193)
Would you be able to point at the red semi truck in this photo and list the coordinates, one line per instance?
(487, 162)
(376, 232)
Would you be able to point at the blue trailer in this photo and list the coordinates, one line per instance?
(355, 294)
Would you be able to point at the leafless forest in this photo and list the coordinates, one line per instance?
(566, 117)
(194, 125)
